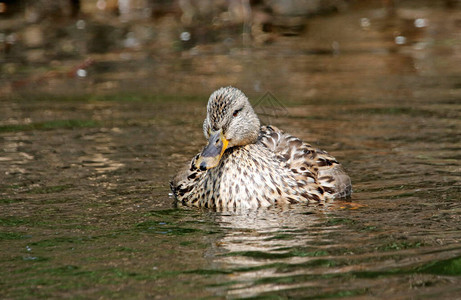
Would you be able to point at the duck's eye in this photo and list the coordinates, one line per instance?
(236, 112)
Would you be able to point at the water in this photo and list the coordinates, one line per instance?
(84, 196)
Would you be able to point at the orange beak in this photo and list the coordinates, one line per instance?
(213, 151)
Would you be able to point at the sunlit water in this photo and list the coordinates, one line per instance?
(84, 196)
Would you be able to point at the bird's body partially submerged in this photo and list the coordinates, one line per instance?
(248, 166)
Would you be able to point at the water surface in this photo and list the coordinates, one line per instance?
(84, 196)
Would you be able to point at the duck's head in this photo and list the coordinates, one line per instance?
(230, 122)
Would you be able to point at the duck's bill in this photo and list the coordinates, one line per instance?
(212, 153)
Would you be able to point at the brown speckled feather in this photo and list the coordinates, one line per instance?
(314, 166)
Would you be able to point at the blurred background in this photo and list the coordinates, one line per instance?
(195, 46)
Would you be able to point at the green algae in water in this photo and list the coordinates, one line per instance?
(13, 221)
(12, 236)
(10, 201)
(163, 228)
(394, 246)
(449, 267)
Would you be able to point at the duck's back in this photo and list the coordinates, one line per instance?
(315, 166)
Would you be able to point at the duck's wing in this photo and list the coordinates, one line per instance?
(183, 183)
(331, 173)
(307, 163)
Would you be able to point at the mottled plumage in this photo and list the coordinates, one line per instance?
(248, 166)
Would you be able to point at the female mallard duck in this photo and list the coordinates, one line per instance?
(248, 166)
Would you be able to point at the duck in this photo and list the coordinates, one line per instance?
(245, 165)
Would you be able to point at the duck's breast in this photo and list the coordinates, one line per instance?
(250, 176)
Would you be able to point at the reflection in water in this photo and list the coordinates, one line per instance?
(100, 145)
(260, 240)
(312, 252)
(12, 157)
